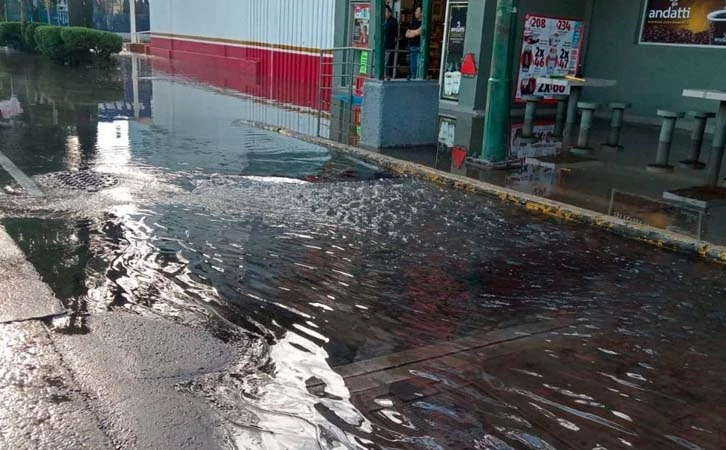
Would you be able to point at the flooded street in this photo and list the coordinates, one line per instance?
(322, 303)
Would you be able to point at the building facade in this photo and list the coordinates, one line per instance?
(274, 47)
(651, 61)
(652, 49)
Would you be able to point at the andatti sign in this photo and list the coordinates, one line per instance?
(685, 22)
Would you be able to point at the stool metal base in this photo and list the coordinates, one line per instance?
(657, 168)
(615, 148)
(695, 165)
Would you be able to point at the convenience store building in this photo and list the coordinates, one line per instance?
(653, 49)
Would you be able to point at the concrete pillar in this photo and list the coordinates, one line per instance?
(665, 141)
(717, 150)
(583, 140)
(699, 131)
(616, 125)
(499, 94)
(468, 110)
(132, 14)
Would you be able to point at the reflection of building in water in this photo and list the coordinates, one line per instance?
(138, 92)
(545, 145)
(10, 108)
(58, 111)
(113, 15)
(537, 180)
(59, 250)
(196, 126)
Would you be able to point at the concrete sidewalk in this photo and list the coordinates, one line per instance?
(103, 390)
(23, 296)
(41, 406)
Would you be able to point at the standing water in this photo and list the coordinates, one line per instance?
(370, 311)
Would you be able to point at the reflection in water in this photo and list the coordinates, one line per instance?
(348, 283)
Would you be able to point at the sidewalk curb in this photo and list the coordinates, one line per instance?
(659, 238)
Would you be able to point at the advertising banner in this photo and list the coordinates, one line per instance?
(361, 24)
(684, 22)
(457, 27)
(455, 36)
(551, 47)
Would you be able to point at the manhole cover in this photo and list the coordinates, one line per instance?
(83, 180)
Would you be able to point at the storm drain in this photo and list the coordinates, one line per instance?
(83, 180)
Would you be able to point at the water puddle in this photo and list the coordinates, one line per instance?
(347, 286)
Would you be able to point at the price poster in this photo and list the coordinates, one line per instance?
(361, 24)
(551, 47)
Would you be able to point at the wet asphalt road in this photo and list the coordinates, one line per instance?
(239, 289)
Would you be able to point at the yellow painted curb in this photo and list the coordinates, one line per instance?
(539, 205)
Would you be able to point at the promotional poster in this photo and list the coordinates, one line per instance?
(551, 47)
(685, 22)
(361, 24)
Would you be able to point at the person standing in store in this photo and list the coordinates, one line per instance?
(414, 42)
(391, 31)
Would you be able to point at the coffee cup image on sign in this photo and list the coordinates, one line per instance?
(717, 20)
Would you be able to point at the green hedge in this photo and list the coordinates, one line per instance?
(50, 43)
(29, 43)
(76, 45)
(84, 43)
(67, 45)
(11, 34)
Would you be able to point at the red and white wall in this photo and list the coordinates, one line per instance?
(265, 48)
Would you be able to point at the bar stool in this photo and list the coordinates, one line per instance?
(616, 125)
(699, 130)
(529, 113)
(662, 158)
(561, 114)
(583, 140)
